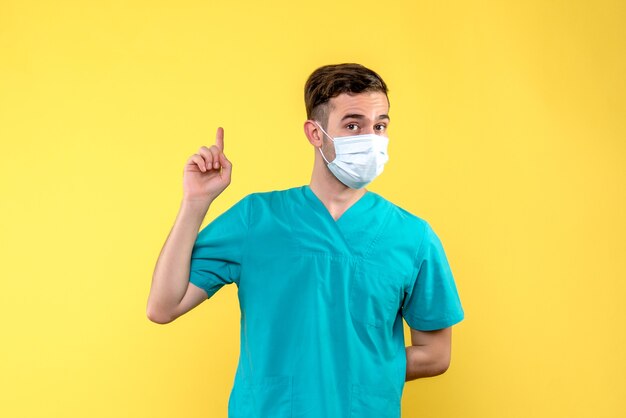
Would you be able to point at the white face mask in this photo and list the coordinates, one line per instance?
(359, 159)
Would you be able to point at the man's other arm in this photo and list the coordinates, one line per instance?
(429, 354)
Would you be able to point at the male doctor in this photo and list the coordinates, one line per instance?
(326, 272)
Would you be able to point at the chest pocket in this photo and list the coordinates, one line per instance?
(375, 296)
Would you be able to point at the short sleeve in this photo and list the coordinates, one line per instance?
(218, 251)
(431, 300)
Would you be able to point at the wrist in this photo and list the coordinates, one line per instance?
(195, 204)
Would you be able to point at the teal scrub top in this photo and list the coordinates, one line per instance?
(322, 301)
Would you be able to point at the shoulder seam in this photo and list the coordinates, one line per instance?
(419, 250)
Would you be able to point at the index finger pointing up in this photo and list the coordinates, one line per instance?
(219, 138)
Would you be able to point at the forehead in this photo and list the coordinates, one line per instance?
(369, 104)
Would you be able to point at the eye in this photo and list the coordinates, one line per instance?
(380, 127)
(352, 126)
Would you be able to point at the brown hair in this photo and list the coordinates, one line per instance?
(331, 80)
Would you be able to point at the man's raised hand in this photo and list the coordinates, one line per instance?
(208, 172)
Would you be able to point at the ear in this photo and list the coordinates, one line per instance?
(313, 133)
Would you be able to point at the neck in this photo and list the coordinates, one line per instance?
(336, 196)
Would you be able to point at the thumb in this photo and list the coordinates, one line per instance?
(227, 166)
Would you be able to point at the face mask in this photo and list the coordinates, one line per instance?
(359, 159)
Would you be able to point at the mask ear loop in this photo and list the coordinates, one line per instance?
(320, 148)
(320, 126)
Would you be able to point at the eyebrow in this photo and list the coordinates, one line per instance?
(359, 116)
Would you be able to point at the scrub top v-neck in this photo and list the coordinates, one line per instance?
(355, 228)
(322, 301)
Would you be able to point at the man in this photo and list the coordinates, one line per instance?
(325, 272)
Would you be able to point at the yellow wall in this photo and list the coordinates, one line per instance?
(508, 136)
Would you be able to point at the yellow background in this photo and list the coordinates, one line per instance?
(508, 135)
